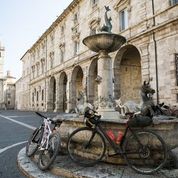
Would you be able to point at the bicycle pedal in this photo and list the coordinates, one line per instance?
(41, 149)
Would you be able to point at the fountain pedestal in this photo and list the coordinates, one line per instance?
(105, 87)
(104, 43)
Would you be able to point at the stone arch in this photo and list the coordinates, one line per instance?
(127, 74)
(52, 94)
(92, 84)
(76, 85)
(62, 92)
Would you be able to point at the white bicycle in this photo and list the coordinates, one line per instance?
(46, 140)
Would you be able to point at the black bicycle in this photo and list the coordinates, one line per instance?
(46, 140)
(143, 150)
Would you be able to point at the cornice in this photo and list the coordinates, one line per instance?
(61, 17)
(121, 3)
(153, 29)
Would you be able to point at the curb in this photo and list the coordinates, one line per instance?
(29, 168)
(64, 167)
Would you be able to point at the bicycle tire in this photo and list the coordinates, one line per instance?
(148, 158)
(33, 142)
(47, 156)
(85, 150)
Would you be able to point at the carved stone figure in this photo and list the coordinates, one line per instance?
(147, 100)
(108, 26)
(129, 106)
(81, 103)
(146, 105)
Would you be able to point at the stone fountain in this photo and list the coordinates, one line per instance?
(104, 43)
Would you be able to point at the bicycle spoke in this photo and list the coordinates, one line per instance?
(86, 147)
(47, 156)
(147, 157)
(32, 144)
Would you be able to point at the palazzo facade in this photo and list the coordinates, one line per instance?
(1, 76)
(58, 67)
(7, 85)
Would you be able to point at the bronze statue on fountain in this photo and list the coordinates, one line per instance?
(148, 107)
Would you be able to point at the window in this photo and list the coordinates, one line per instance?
(62, 30)
(75, 18)
(123, 17)
(33, 72)
(37, 96)
(52, 38)
(43, 47)
(176, 63)
(8, 95)
(42, 65)
(42, 95)
(62, 55)
(76, 47)
(51, 63)
(32, 97)
(37, 69)
(173, 2)
(51, 55)
(38, 52)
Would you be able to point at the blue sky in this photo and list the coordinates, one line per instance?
(22, 22)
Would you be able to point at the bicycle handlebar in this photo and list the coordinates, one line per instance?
(41, 115)
(52, 121)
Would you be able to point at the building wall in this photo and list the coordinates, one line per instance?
(7, 85)
(1, 94)
(23, 85)
(9, 91)
(18, 95)
(1, 76)
(152, 33)
(2, 50)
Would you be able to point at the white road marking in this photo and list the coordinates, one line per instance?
(22, 116)
(18, 122)
(11, 146)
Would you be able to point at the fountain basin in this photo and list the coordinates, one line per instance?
(107, 42)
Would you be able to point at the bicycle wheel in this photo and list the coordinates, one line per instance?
(86, 146)
(146, 152)
(33, 142)
(47, 156)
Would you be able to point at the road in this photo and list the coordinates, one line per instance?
(15, 129)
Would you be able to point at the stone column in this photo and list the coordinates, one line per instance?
(145, 62)
(57, 95)
(49, 102)
(69, 92)
(84, 82)
(105, 87)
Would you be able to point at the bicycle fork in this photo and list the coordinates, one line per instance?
(91, 138)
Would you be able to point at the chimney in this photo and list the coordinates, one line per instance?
(8, 73)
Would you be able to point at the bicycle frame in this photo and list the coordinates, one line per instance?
(43, 141)
(116, 147)
(142, 145)
(46, 134)
(36, 133)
